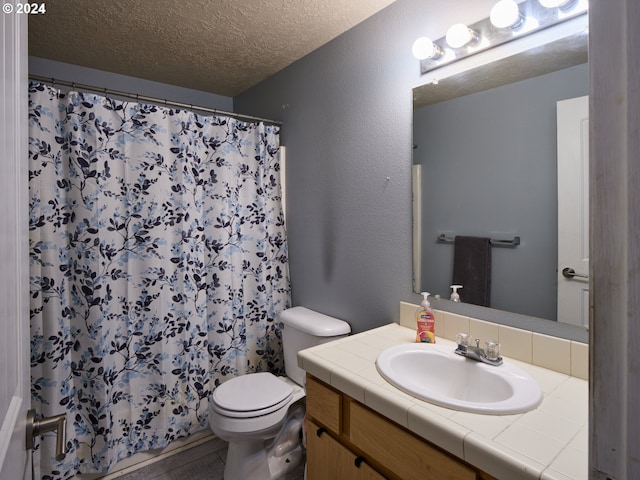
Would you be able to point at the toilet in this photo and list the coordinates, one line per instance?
(260, 415)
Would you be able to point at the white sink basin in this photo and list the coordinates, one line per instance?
(435, 374)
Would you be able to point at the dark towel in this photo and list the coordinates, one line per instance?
(472, 269)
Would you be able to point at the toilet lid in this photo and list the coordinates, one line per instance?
(251, 393)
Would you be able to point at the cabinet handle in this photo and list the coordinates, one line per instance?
(320, 431)
(358, 461)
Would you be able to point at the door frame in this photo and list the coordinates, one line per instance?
(14, 255)
(614, 146)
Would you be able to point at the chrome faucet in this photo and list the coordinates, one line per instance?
(490, 356)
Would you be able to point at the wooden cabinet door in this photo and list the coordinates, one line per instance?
(327, 459)
(368, 473)
(402, 453)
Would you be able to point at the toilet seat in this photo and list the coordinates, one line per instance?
(251, 395)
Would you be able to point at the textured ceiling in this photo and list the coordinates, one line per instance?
(221, 46)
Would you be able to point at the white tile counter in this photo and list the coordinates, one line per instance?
(548, 443)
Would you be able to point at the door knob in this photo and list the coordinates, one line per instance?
(569, 272)
(57, 423)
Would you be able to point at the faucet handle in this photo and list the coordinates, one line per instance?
(463, 339)
(492, 349)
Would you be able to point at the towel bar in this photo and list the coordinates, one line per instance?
(442, 238)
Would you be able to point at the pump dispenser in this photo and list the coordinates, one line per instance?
(425, 321)
(454, 295)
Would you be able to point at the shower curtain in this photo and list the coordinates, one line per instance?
(158, 269)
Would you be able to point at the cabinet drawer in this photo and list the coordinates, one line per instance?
(402, 453)
(324, 405)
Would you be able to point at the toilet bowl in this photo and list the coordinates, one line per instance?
(260, 415)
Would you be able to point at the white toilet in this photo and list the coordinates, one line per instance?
(261, 415)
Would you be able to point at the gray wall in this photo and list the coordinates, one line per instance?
(347, 110)
(123, 83)
(489, 169)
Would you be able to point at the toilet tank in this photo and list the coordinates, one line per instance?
(304, 328)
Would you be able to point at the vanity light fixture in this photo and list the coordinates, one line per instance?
(506, 14)
(508, 20)
(459, 35)
(424, 48)
(557, 3)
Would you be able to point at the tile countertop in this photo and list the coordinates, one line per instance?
(548, 443)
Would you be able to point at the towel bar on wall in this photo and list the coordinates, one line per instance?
(442, 238)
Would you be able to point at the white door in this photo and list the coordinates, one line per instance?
(573, 211)
(14, 258)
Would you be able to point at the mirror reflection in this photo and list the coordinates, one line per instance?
(485, 145)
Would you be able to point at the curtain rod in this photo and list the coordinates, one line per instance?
(145, 98)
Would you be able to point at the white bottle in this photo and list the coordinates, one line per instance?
(454, 295)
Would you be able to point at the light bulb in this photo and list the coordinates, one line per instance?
(424, 48)
(553, 3)
(506, 14)
(460, 35)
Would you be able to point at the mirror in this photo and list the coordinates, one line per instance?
(486, 145)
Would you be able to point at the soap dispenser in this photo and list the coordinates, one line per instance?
(455, 296)
(425, 321)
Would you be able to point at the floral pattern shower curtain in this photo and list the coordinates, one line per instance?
(158, 269)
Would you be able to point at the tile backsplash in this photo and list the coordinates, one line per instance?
(558, 354)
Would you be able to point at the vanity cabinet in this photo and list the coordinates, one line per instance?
(347, 440)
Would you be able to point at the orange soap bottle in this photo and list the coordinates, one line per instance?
(425, 321)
